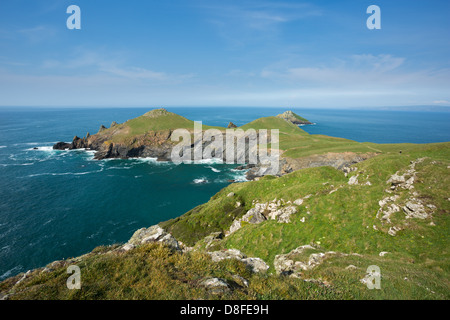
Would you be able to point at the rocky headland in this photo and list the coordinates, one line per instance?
(150, 135)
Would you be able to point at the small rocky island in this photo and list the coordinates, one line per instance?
(294, 118)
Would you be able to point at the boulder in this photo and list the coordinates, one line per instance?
(61, 146)
(353, 180)
(393, 231)
(274, 210)
(293, 264)
(217, 256)
(153, 234)
(415, 210)
(216, 285)
(396, 179)
(256, 264)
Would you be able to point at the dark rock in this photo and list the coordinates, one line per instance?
(61, 146)
(231, 125)
(78, 143)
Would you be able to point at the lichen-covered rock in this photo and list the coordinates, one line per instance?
(301, 259)
(153, 234)
(279, 210)
(353, 180)
(216, 285)
(127, 247)
(256, 264)
(415, 210)
(393, 230)
(396, 179)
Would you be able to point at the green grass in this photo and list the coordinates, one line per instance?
(138, 127)
(155, 272)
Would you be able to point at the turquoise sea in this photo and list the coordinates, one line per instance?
(60, 204)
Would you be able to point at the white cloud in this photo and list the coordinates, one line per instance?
(441, 102)
(249, 21)
(358, 72)
(37, 33)
(92, 63)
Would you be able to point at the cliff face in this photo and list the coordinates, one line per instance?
(131, 139)
(157, 144)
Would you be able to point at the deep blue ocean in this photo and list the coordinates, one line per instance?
(61, 204)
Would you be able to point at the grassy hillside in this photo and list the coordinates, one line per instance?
(343, 218)
(154, 121)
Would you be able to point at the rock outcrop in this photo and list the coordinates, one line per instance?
(256, 264)
(300, 259)
(152, 234)
(413, 207)
(216, 285)
(278, 210)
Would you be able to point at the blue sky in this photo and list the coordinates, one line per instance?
(224, 53)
